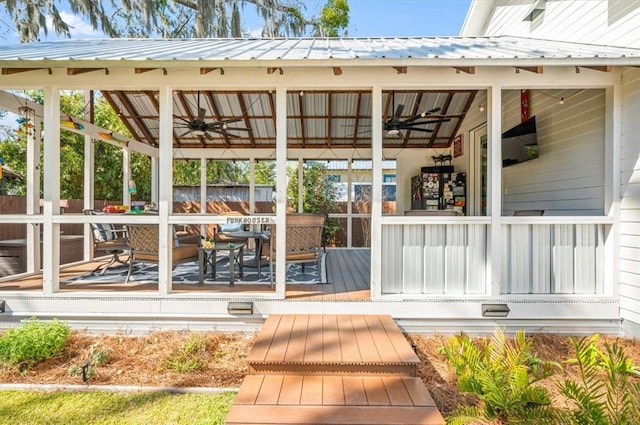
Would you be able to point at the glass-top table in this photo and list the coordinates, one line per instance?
(207, 256)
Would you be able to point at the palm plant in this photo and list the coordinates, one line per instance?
(605, 392)
(500, 373)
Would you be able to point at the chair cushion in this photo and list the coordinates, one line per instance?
(103, 232)
(231, 227)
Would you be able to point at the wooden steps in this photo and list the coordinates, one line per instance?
(332, 369)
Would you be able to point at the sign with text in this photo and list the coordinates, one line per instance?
(457, 146)
(251, 219)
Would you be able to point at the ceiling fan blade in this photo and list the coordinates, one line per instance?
(425, 114)
(398, 113)
(415, 123)
(181, 118)
(424, 130)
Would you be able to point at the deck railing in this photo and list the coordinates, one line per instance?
(450, 256)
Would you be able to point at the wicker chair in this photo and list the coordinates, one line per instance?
(143, 241)
(303, 240)
(107, 239)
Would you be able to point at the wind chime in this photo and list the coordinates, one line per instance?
(25, 122)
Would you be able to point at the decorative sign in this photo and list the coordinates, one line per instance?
(524, 105)
(251, 220)
(457, 146)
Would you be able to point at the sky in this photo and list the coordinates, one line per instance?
(368, 18)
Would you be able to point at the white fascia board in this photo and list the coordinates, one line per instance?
(477, 17)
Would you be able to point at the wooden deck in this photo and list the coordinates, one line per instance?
(348, 275)
(332, 369)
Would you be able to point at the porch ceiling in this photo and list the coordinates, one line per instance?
(315, 119)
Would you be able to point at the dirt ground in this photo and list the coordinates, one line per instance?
(142, 360)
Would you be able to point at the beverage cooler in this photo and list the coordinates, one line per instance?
(439, 188)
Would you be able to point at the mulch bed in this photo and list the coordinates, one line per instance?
(140, 361)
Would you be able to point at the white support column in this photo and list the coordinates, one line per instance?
(281, 188)
(300, 185)
(51, 231)
(494, 188)
(33, 196)
(349, 200)
(612, 158)
(252, 186)
(126, 176)
(203, 193)
(165, 195)
(89, 181)
(376, 192)
(154, 180)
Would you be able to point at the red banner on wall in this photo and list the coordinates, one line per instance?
(524, 105)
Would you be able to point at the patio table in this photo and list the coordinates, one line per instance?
(207, 255)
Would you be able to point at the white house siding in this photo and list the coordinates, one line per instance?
(568, 176)
(605, 22)
(629, 250)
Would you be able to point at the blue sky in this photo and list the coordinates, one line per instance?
(369, 18)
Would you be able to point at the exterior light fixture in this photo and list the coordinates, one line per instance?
(495, 310)
(2, 306)
(240, 307)
(481, 108)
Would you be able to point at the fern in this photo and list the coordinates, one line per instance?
(604, 394)
(500, 373)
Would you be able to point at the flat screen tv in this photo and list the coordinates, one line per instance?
(520, 143)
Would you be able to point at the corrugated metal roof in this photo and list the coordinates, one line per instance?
(248, 49)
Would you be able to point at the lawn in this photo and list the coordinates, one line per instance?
(132, 408)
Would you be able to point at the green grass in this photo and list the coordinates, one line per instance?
(88, 408)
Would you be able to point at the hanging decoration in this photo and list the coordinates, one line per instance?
(1, 165)
(524, 105)
(25, 122)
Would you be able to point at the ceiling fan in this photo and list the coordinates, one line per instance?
(200, 127)
(394, 124)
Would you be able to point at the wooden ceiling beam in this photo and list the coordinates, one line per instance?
(11, 71)
(204, 71)
(245, 117)
(534, 69)
(124, 100)
(356, 129)
(143, 70)
(604, 68)
(302, 127)
(465, 69)
(414, 112)
(78, 71)
(467, 105)
(445, 108)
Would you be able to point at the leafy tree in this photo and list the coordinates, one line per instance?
(319, 194)
(333, 18)
(177, 18)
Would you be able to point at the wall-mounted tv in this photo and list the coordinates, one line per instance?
(520, 143)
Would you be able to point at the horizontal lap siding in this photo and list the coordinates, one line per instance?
(596, 22)
(434, 259)
(629, 234)
(568, 176)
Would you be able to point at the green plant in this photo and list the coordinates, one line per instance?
(33, 341)
(501, 374)
(605, 393)
(188, 358)
(96, 357)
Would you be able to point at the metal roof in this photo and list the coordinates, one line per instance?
(310, 49)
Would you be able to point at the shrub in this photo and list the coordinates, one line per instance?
(33, 341)
(501, 374)
(188, 358)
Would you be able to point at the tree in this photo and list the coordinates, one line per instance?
(174, 19)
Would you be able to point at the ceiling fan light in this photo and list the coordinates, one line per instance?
(393, 132)
(198, 132)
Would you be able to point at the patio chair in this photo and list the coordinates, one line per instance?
(143, 241)
(222, 230)
(303, 240)
(107, 239)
